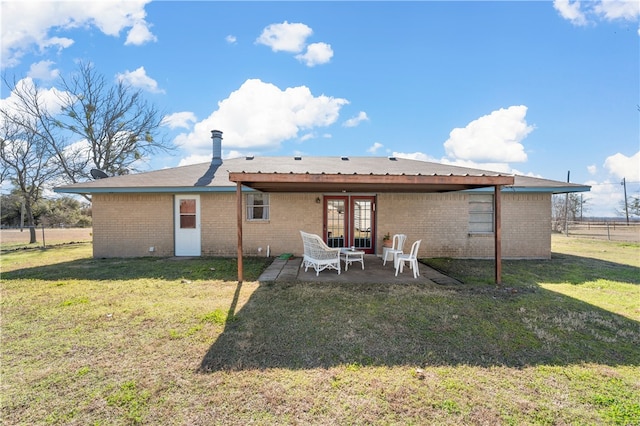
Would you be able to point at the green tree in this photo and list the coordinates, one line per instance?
(66, 211)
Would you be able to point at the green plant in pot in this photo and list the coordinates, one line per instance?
(386, 240)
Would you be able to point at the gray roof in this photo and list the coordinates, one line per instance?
(207, 178)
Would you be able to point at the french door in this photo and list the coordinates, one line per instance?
(349, 221)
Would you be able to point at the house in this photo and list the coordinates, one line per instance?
(350, 201)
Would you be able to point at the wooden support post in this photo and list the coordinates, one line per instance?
(239, 218)
(497, 232)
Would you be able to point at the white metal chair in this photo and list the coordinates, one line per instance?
(318, 254)
(397, 246)
(411, 257)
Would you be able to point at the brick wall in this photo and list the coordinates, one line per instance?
(128, 224)
(289, 213)
(442, 222)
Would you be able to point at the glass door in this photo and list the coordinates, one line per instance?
(349, 222)
(362, 213)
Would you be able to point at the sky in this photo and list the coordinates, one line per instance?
(538, 88)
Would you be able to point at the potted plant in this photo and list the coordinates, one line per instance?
(386, 240)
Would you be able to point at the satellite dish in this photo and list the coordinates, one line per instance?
(98, 174)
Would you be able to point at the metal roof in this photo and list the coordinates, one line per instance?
(322, 174)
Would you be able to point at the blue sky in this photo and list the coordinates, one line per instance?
(537, 88)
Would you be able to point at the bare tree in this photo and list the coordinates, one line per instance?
(632, 206)
(86, 123)
(117, 124)
(575, 206)
(25, 156)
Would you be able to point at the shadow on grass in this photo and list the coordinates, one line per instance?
(202, 268)
(320, 325)
(562, 268)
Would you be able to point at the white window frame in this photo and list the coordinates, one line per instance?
(481, 213)
(255, 202)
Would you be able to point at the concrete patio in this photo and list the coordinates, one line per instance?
(288, 270)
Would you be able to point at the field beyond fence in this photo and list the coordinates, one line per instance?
(606, 230)
(12, 238)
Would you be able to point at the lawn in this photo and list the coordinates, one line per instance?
(158, 341)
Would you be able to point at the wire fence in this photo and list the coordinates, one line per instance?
(612, 230)
(14, 238)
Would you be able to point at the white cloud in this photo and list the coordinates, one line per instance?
(140, 79)
(621, 166)
(415, 156)
(231, 39)
(354, 121)
(57, 42)
(604, 198)
(176, 120)
(570, 11)
(490, 142)
(49, 98)
(492, 138)
(285, 37)
(29, 23)
(194, 159)
(375, 147)
(486, 165)
(307, 136)
(316, 54)
(43, 71)
(610, 10)
(582, 13)
(592, 169)
(261, 116)
(140, 34)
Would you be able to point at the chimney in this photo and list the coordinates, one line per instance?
(216, 136)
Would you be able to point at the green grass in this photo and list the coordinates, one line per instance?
(159, 341)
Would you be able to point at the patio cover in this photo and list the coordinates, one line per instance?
(339, 182)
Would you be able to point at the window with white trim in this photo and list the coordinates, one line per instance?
(258, 206)
(481, 210)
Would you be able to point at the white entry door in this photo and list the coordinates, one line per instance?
(187, 225)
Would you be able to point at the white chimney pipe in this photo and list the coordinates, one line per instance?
(216, 136)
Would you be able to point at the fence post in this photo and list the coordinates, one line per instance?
(44, 244)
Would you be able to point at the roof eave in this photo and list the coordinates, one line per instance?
(308, 182)
(145, 190)
(539, 189)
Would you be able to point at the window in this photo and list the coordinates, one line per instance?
(480, 213)
(187, 214)
(257, 206)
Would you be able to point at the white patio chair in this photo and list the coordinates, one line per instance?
(411, 257)
(318, 254)
(397, 247)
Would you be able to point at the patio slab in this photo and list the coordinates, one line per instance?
(282, 270)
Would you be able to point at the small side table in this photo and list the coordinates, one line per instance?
(349, 256)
